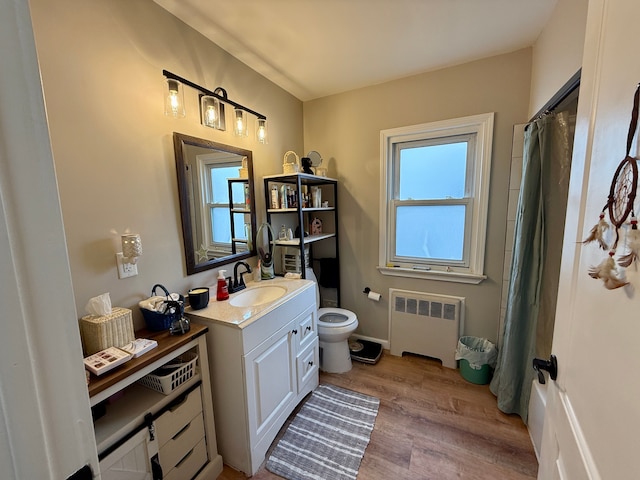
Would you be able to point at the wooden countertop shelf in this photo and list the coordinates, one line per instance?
(167, 343)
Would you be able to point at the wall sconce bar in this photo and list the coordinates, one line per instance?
(222, 97)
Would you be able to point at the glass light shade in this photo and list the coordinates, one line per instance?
(261, 131)
(240, 123)
(174, 99)
(210, 112)
(131, 247)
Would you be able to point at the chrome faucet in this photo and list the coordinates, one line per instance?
(238, 281)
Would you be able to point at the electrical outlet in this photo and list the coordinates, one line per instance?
(125, 270)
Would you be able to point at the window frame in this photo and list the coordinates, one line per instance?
(471, 270)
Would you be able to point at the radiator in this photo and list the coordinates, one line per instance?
(426, 324)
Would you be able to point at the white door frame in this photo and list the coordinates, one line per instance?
(46, 431)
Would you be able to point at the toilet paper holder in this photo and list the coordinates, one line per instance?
(367, 291)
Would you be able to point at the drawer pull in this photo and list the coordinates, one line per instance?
(295, 332)
(185, 457)
(308, 329)
(311, 364)
(184, 429)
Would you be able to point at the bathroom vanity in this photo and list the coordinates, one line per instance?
(169, 431)
(263, 352)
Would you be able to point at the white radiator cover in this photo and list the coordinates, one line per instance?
(426, 324)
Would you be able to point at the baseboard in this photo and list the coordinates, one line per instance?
(535, 422)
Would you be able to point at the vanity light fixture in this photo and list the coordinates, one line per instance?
(211, 107)
(174, 99)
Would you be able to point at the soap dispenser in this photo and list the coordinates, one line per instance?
(223, 289)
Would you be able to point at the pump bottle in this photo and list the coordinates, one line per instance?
(223, 289)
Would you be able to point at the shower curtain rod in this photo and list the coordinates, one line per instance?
(559, 97)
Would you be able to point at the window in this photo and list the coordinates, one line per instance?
(214, 220)
(435, 190)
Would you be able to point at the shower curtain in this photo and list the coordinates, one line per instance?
(532, 292)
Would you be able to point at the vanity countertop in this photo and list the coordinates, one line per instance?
(224, 312)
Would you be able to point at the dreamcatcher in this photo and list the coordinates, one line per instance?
(619, 206)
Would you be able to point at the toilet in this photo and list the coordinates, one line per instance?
(335, 325)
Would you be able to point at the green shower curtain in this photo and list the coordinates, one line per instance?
(545, 148)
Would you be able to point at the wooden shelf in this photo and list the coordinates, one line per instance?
(137, 368)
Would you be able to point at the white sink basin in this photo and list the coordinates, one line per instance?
(257, 296)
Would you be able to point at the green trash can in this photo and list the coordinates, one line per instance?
(477, 359)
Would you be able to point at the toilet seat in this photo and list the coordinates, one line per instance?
(335, 317)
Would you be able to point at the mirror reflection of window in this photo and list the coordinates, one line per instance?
(218, 226)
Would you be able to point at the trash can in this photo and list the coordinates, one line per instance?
(477, 359)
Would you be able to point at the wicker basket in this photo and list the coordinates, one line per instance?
(165, 379)
(103, 331)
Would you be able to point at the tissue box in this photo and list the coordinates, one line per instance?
(103, 331)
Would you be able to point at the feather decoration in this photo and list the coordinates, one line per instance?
(606, 271)
(597, 233)
(633, 244)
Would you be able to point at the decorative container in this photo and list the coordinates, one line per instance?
(103, 331)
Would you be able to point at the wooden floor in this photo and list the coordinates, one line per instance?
(432, 424)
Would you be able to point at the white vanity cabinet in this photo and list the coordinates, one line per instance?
(260, 370)
(182, 442)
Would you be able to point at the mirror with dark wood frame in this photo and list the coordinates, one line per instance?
(215, 187)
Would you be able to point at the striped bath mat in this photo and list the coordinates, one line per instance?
(327, 437)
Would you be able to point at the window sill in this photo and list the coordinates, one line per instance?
(433, 275)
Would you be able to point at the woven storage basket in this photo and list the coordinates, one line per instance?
(168, 382)
(104, 331)
(157, 321)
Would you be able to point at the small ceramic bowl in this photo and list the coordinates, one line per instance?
(199, 297)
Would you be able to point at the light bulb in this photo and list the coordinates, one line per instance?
(174, 100)
(261, 131)
(241, 123)
(211, 112)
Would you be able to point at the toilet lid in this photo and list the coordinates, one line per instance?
(335, 317)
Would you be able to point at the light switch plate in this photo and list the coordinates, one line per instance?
(125, 270)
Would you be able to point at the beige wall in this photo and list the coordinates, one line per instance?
(102, 65)
(345, 129)
(557, 54)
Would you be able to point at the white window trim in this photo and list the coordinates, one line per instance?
(482, 126)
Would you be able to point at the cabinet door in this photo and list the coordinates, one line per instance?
(131, 460)
(271, 381)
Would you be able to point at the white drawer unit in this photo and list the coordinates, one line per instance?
(182, 443)
(307, 367)
(178, 416)
(189, 465)
(307, 330)
(179, 430)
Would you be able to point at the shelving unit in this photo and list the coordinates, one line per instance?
(233, 210)
(302, 215)
(128, 403)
